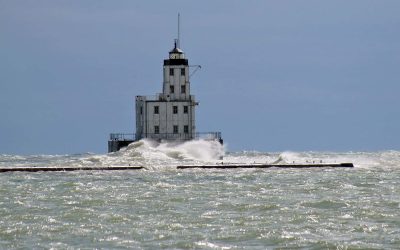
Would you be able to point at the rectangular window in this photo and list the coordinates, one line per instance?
(186, 129)
(171, 72)
(183, 72)
(171, 89)
(141, 110)
(175, 109)
(156, 110)
(183, 89)
(175, 129)
(185, 109)
(156, 129)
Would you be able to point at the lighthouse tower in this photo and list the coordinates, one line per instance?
(171, 115)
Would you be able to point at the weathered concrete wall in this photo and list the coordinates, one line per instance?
(114, 146)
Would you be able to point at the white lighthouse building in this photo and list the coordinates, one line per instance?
(170, 115)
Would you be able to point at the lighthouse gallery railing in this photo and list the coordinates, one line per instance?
(172, 136)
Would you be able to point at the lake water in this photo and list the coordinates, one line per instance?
(162, 207)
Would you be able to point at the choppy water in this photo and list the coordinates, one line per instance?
(162, 207)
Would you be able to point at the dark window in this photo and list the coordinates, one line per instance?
(156, 111)
(156, 129)
(141, 110)
(175, 129)
(183, 89)
(185, 109)
(171, 72)
(183, 72)
(186, 129)
(171, 89)
(175, 109)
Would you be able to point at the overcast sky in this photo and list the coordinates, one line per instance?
(276, 75)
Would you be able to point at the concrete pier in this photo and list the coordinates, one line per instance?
(219, 166)
(64, 169)
(233, 166)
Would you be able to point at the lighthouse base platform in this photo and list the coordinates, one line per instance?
(116, 145)
(119, 140)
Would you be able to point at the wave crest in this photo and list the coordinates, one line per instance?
(203, 150)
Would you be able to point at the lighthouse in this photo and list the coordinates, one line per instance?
(169, 115)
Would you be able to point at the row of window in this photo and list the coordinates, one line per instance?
(175, 129)
(172, 89)
(171, 71)
(174, 109)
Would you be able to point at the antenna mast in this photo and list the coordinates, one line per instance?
(179, 44)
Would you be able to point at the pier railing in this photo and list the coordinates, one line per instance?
(166, 136)
(122, 137)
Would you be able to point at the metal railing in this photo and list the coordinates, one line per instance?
(166, 136)
(122, 137)
(171, 97)
(208, 135)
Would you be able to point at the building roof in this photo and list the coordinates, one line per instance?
(176, 50)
